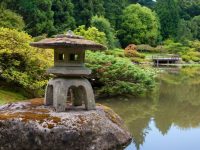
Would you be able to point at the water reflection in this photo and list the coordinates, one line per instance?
(171, 120)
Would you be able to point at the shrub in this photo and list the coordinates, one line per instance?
(9, 19)
(103, 25)
(186, 58)
(196, 45)
(91, 33)
(115, 52)
(138, 25)
(118, 75)
(150, 49)
(136, 60)
(22, 64)
(191, 56)
(175, 47)
(134, 54)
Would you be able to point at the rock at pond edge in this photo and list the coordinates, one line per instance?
(31, 125)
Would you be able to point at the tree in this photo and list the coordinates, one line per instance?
(9, 19)
(184, 31)
(85, 9)
(63, 15)
(103, 25)
(189, 9)
(139, 26)
(37, 15)
(113, 9)
(195, 27)
(147, 3)
(91, 33)
(22, 64)
(168, 13)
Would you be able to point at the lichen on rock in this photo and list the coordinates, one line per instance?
(31, 125)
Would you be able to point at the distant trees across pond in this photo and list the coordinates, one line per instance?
(163, 19)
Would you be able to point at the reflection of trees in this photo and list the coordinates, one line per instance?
(178, 104)
(139, 130)
(136, 114)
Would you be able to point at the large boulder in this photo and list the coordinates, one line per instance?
(30, 125)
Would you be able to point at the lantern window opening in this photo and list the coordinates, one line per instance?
(61, 56)
(74, 57)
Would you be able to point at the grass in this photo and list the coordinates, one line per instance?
(7, 96)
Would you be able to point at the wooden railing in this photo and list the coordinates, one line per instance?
(166, 57)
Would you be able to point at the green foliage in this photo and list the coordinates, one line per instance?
(189, 51)
(119, 76)
(37, 15)
(150, 49)
(189, 8)
(63, 15)
(184, 32)
(168, 13)
(21, 64)
(139, 25)
(147, 3)
(117, 52)
(196, 45)
(103, 25)
(135, 54)
(10, 96)
(175, 47)
(191, 56)
(91, 33)
(84, 10)
(195, 27)
(9, 19)
(114, 9)
(189, 30)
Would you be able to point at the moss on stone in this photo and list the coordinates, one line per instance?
(37, 102)
(113, 116)
(31, 116)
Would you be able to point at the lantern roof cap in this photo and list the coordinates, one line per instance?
(68, 40)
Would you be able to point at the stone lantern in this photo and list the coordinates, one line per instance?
(69, 69)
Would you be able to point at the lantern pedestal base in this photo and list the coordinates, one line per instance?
(79, 90)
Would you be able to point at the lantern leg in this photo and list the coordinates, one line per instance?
(77, 97)
(60, 97)
(88, 96)
(48, 100)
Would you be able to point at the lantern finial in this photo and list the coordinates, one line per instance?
(70, 33)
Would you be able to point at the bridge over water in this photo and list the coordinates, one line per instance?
(165, 59)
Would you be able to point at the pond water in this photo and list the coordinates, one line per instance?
(170, 119)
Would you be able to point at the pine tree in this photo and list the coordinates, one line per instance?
(37, 15)
(85, 9)
(184, 31)
(168, 13)
(189, 8)
(113, 9)
(63, 15)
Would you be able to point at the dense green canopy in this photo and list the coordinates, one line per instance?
(168, 13)
(139, 25)
(9, 19)
(63, 15)
(178, 19)
(103, 25)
